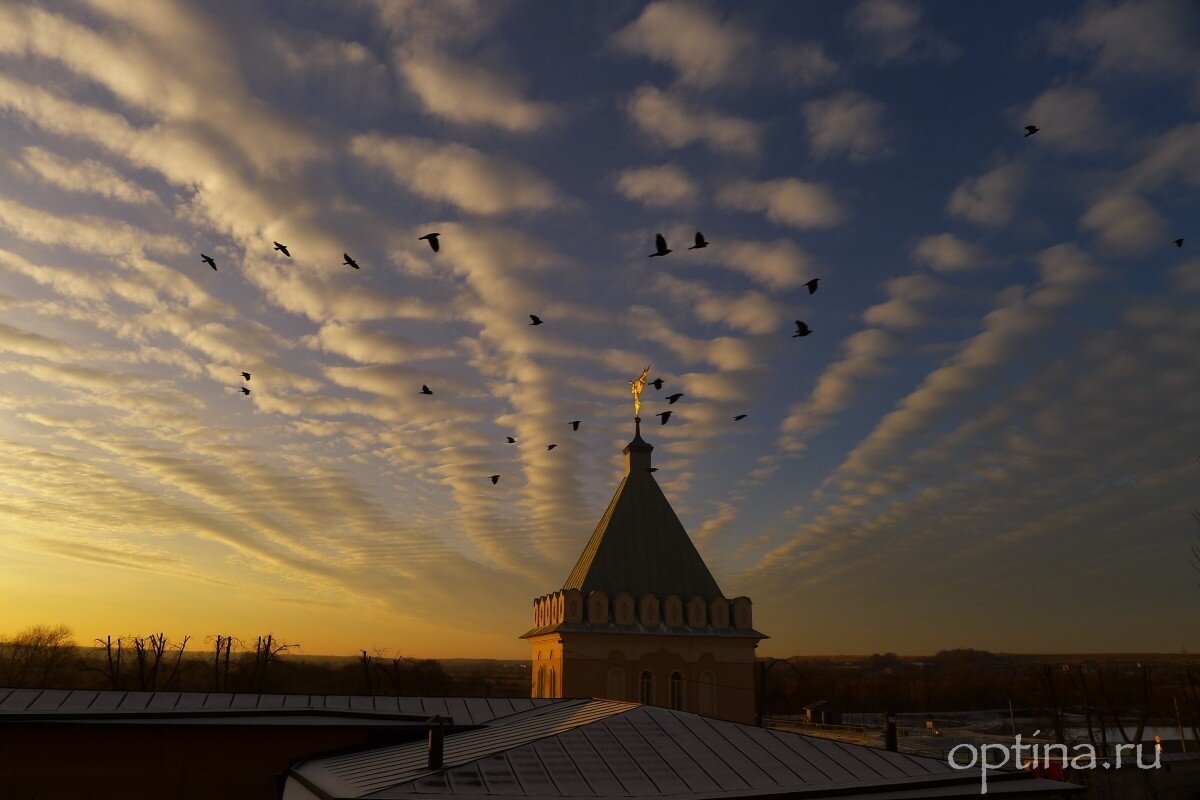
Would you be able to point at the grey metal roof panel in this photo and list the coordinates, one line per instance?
(108, 705)
(360, 774)
(641, 547)
(647, 751)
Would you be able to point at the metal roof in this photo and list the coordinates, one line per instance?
(604, 748)
(640, 546)
(252, 708)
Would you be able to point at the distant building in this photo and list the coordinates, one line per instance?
(822, 712)
(640, 617)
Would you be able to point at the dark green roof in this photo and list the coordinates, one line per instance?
(640, 546)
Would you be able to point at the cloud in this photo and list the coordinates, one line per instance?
(706, 49)
(778, 264)
(466, 94)
(368, 346)
(945, 252)
(660, 187)
(752, 312)
(14, 340)
(456, 174)
(1126, 224)
(906, 295)
(892, 30)
(1187, 275)
(862, 357)
(1147, 36)
(676, 123)
(989, 199)
(1071, 119)
(83, 177)
(849, 124)
(1064, 270)
(785, 201)
(804, 65)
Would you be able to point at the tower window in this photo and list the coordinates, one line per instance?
(553, 684)
(677, 690)
(646, 688)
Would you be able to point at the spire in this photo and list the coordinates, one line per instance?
(640, 546)
(637, 452)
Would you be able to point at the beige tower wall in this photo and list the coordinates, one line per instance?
(718, 672)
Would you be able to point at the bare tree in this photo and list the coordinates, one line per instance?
(266, 652)
(35, 657)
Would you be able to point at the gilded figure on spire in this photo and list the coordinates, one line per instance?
(636, 387)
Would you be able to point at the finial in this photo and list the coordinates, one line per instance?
(636, 387)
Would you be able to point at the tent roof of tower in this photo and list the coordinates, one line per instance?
(640, 546)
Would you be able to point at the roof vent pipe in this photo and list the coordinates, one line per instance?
(437, 739)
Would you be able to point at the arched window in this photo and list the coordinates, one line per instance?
(646, 688)
(708, 700)
(540, 690)
(616, 684)
(553, 687)
(676, 685)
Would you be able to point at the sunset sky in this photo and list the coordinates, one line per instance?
(989, 440)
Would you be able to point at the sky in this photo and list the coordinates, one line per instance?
(989, 440)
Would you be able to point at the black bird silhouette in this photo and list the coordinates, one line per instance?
(432, 238)
(349, 262)
(657, 383)
(672, 398)
(245, 390)
(812, 285)
(208, 260)
(666, 415)
(551, 446)
(699, 242)
(1179, 242)
(1030, 130)
(574, 424)
(425, 389)
(651, 469)
(739, 417)
(511, 440)
(536, 319)
(246, 375)
(495, 479)
(661, 244)
(801, 330)
(282, 248)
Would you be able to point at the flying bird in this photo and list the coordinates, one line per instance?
(349, 262)
(661, 244)
(666, 415)
(495, 479)
(574, 424)
(551, 446)
(700, 242)
(657, 383)
(1179, 242)
(812, 285)
(282, 248)
(244, 390)
(425, 389)
(246, 375)
(801, 330)
(536, 319)
(739, 417)
(1030, 130)
(432, 238)
(673, 398)
(511, 440)
(208, 260)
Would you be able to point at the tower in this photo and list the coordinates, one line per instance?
(640, 617)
